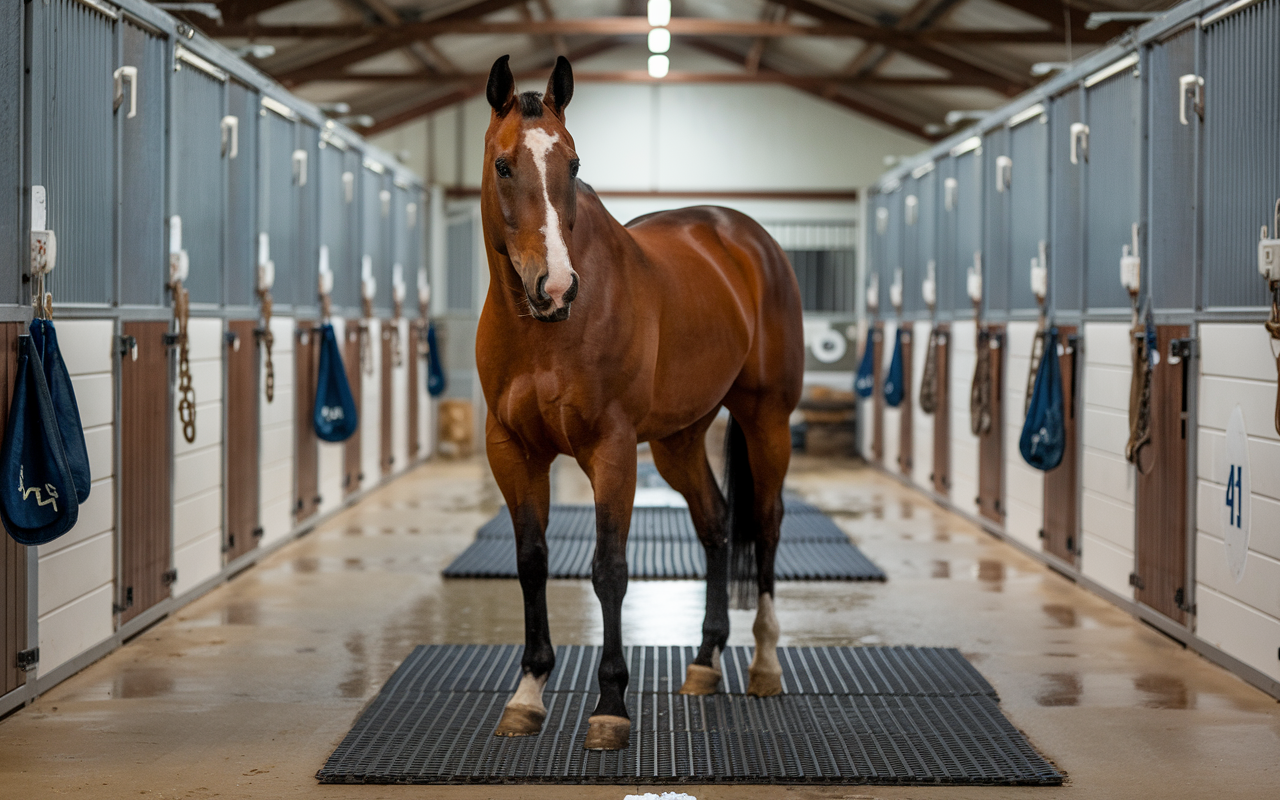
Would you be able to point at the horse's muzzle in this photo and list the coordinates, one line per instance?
(544, 308)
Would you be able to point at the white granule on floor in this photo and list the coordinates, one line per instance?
(663, 796)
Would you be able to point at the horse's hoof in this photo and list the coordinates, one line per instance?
(606, 732)
(700, 680)
(764, 684)
(520, 720)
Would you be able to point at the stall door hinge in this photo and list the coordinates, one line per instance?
(27, 659)
(258, 532)
(171, 339)
(1135, 580)
(120, 608)
(1180, 600)
(170, 577)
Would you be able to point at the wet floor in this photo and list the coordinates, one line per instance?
(245, 692)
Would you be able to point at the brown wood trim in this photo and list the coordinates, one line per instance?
(1062, 483)
(146, 461)
(877, 393)
(1160, 557)
(306, 501)
(413, 352)
(240, 534)
(352, 476)
(906, 439)
(13, 556)
(991, 445)
(941, 476)
(387, 460)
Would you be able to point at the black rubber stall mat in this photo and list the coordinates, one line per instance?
(868, 715)
(662, 544)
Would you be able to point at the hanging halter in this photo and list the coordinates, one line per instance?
(1040, 288)
(1141, 349)
(368, 289)
(929, 381)
(178, 269)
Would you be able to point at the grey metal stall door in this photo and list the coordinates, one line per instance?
(968, 213)
(375, 243)
(198, 176)
(335, 228)
(11, 159)
(74, 144)
(143, 265)
(242, 201)
(891, 247)
(279, 176)
(1111, 187)
(948, 270)
(346, 280)
(926, 235)
(399, 225)
(878, 220)
(1066, 198)
(995, 243)
(1172, 173)
(1028, 206)
(304, 288)
(914, 244)
(1241, 157)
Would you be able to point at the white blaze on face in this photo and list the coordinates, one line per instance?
(559, 270)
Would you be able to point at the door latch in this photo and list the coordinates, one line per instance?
(129, 347)
(1136, 581)
(1180, 349)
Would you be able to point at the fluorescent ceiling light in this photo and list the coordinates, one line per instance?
(1099, 18)
(1045, 67)
(658, 66)
(659, 40)
(659, 12)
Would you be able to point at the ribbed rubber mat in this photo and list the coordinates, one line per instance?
(871, 715)
(663, 544)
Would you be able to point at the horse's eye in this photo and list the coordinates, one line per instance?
(503, 168)
(573, 168)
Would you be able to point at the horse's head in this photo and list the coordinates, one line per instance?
(528, 188)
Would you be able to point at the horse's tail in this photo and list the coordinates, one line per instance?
(742, 524)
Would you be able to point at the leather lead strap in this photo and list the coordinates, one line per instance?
(187, 402)
(929, 383)
(980, 391)
(267, 338)
(1139, 392)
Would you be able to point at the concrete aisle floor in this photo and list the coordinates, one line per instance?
(245, 692)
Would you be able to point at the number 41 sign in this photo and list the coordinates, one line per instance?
(1235, 511)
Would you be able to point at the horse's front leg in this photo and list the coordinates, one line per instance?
(524, 481)
(611, 466)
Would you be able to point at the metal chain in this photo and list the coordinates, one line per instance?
(187, 403)
(929, 383)
(268, 339)
(397, 352)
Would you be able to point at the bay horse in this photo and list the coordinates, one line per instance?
(673, 316)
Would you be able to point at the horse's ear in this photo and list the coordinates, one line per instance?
(502, 86)
(559, 88)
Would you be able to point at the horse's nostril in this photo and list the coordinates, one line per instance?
(542, 289)
(573, 291)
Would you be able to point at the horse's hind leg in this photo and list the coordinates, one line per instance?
(524, 481)
(682, 461)
(768, 441)
(611, 466)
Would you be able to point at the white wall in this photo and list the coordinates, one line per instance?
(1242, 618)
(1023, 484)
(686, 137)
(921, 423)
(197, 466)
(371, 407)
(76, 572)
(275, 443)
(1107, 479)
(964, 445)
(330, 461)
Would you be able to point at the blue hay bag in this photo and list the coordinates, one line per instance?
(38, 497)
(1044, 432)
(65, 409)
(893, 382)
(864, 383)
(335, 417)
(435, 369)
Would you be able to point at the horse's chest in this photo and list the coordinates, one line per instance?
(536, 407)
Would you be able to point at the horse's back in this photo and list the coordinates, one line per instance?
(711, 261)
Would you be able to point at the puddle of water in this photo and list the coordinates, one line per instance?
(941, 569)
(992, 573)
(1059, 689)
(1063, 616)
(1163, 691)
(136, 683)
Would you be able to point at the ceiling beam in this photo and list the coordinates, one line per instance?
(389, 39)
(476, 88)
(866, 108)
(675, 76)
(922, 50)
(636, 26)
